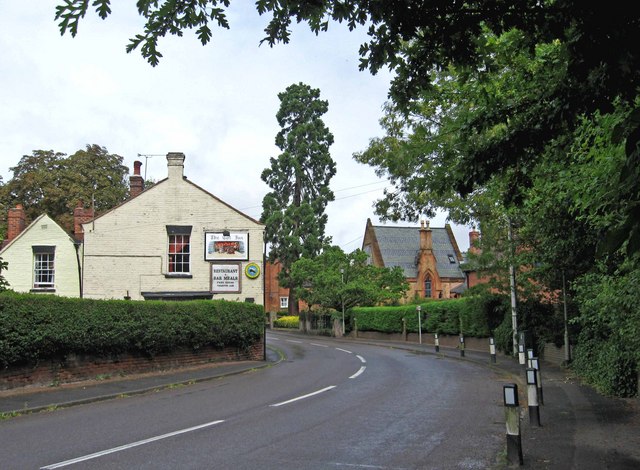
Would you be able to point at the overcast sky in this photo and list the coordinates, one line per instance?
(216, 104)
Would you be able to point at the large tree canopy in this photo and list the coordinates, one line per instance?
(421, 38)
(336, 279)
(50, 182)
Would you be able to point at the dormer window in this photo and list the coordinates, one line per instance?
(452, 259)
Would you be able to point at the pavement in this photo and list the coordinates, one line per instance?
(579, 428)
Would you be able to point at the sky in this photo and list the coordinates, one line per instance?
(215, 103)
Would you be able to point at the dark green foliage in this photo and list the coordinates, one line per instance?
(34, 328)
(294, 210)
(608, 350)
(335, 279)
(53, 183)
(440, 316)
(607, 365)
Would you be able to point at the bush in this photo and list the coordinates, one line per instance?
(35, 327)
(610, 368)
(450, 316)
(288, 321)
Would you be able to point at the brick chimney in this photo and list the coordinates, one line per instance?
(474, 236)
(426, 243)
(16, 222)
(136, 182)
(81, 215)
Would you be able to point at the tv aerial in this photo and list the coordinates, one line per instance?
(147, 157)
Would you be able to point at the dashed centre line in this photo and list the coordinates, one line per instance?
(129, 446)
(302, 397)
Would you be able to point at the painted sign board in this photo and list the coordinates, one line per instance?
(226, 246)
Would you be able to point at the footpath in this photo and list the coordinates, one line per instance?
(579, 429)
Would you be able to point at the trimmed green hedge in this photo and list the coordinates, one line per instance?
(451, 316)
(36, 327)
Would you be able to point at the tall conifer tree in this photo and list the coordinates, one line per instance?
(294, 210)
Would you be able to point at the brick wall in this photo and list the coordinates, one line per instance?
(75, 368)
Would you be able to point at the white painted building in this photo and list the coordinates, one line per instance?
(41, 257)
(174, 240)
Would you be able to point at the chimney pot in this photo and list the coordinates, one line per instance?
(136, 182)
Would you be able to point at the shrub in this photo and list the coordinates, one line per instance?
(35, 327)
(287, 321)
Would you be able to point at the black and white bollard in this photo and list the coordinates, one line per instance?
(512, 420)
(492, 349)
(521, 355)
(436, 341)
(530, 354)
(532, 397)
(461, 345)
(535, 364)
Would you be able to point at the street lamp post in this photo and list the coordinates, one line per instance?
(342, 298)
(418, 308)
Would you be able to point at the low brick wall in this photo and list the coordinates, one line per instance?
(75, 368)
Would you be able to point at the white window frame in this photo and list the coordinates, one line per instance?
(284, 302)
(44, 269)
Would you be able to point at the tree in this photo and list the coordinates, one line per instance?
(335, 279)
(294, 211)
(49, 182)
(417, 39)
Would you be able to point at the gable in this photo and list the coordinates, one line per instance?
(400, 246)
(42, 231)
(173, 201)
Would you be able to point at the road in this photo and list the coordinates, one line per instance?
(329, 405)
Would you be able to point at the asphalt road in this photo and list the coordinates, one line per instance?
(326, 406)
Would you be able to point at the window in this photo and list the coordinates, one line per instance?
(284, 302)
(452, 259)
(179, 259)
(44, 267)
(427, 287)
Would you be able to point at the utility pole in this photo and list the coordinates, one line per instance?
(512, 284)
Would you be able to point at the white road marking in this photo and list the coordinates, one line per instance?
(362, 359)
(304, 396)
(321, 345)
(293, 341)
(358, 373)
(344, 350)
(129, 446)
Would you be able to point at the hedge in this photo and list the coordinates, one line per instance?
(37, 327)
(451, 316)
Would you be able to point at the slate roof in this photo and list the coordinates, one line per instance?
(400, 246)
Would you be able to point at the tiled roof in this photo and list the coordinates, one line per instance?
(399, 246)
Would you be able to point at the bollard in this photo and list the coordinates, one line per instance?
(521, 354)
(535, 364)
(512, 420)
(492, 350)
(532, 397)
(461, 346)
(436, 341)
(530, 354)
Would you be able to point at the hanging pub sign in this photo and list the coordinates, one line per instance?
(226, 246)
(225, 278)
